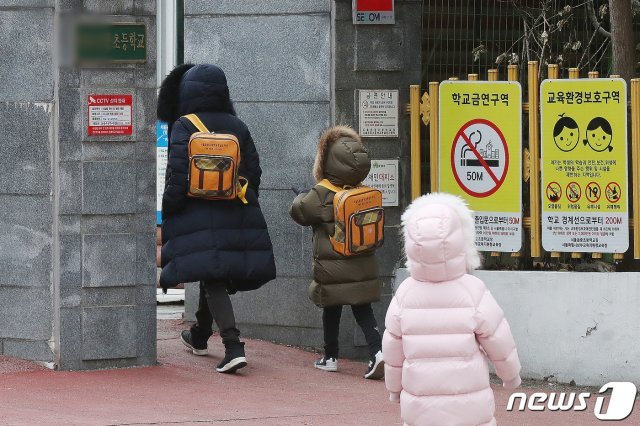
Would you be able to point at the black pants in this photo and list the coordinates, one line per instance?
(215, 305)
(364, 318)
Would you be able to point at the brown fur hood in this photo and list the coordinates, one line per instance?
(328, 138)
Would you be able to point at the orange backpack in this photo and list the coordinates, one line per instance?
(359, 219)
(214, 159)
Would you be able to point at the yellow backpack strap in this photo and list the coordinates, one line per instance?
(196, 122)
(331, 187)
(243, 185)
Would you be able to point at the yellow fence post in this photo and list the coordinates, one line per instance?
(635, 163)
(534, 149)
(513, 75)
(434, 136)
(574, 73)
(414, 102)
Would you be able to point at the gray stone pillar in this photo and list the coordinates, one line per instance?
(106, 293)
(77, 215)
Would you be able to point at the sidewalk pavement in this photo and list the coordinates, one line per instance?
(279, 387)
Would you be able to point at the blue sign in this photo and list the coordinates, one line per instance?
(162, 152)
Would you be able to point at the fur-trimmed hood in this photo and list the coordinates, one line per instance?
(439, 234)
(193, 88)
(341, 157)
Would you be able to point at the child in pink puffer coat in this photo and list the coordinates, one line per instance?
(443, 323)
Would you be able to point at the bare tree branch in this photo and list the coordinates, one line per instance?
(594, 20)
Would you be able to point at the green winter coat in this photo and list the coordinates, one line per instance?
(337, 280)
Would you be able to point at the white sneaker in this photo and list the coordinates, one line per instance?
(326, 364)
(376, 368)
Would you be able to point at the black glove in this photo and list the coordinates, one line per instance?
(298, 190)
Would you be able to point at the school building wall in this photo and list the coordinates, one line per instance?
(294, 68)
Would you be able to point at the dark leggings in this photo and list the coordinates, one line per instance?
(364, 318)
(215, 305)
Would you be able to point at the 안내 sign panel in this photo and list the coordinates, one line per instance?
(110, 115)
(480, 157)
(584, 165)
(384, 177)
(162, 156)
(373, 12)
(378, 113)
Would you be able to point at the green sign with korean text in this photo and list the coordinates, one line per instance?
(111, 42)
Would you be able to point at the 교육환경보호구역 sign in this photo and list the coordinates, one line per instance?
(584, 165)
(479, 157)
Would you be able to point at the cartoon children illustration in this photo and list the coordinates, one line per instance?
(566, 134)
(599, 135)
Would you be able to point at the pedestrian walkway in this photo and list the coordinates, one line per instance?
(278, 388)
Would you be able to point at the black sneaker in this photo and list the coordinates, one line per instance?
(375, 371)
(234, 358)
(326, 364)
(197, 346)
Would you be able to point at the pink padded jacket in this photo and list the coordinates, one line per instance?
(443, 323)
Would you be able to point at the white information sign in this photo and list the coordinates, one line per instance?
(384, 177)
(378, 113)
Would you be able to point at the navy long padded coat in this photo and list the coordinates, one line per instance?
(223, 241)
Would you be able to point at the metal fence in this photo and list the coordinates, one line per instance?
(472, 36)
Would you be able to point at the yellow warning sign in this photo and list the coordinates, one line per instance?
(480, 157)
(584, 165)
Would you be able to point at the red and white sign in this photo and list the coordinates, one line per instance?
(373, 12)
(479, 158)
(110, 115)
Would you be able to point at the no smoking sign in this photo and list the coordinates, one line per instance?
(480, 145)
(480, 158)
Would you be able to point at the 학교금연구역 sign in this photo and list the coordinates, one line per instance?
(111, 42)
(480, 160)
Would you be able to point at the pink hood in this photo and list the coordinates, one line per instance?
(439, 234)
(443, 324)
